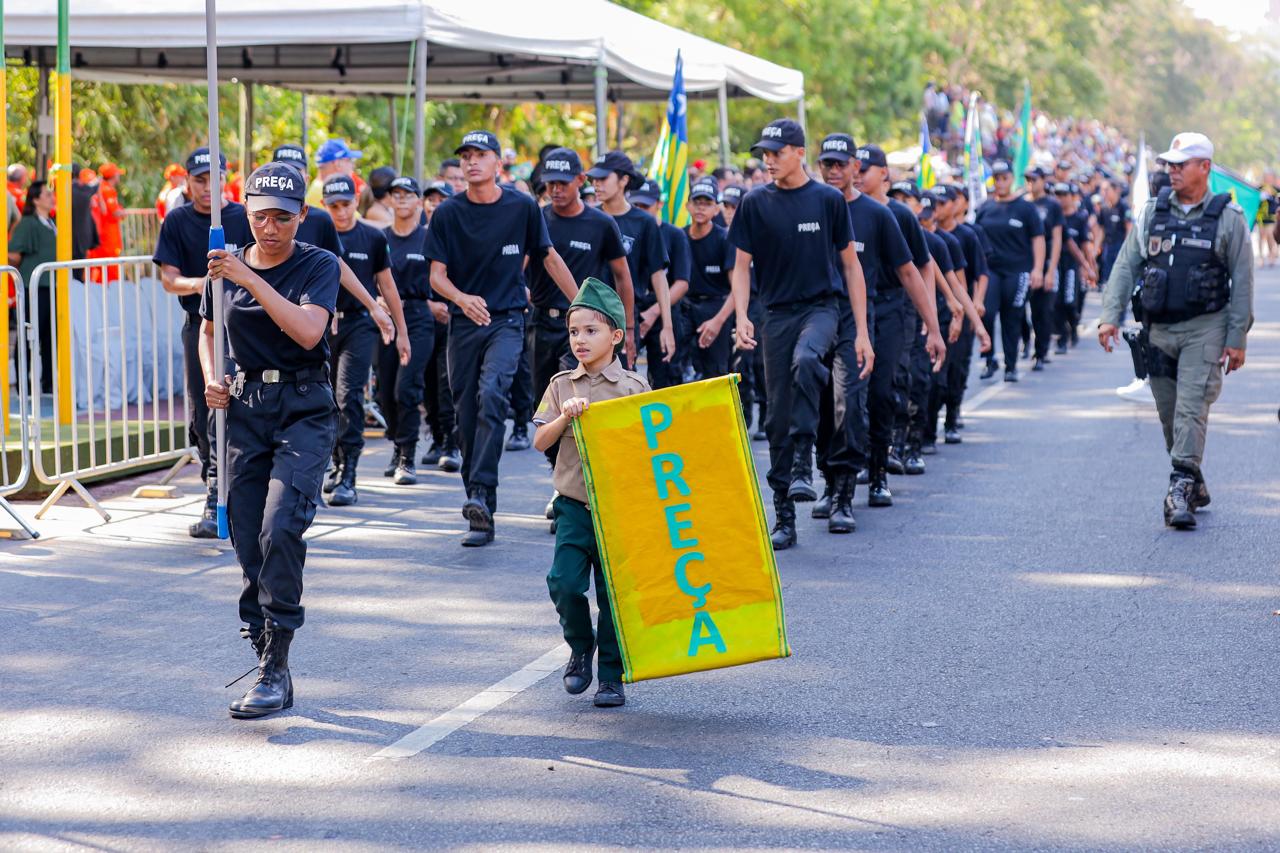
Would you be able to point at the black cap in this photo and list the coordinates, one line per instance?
(1034, 172)
(292, 154)
(614, 161)
(404, 182)
(907, 188)
(776, 135)
(482, 139)
(942, 192)
(704, 189)
(1001, 167)
(560, 164)
(275, 186)
(338, 188)
(647, 193)
(441, 187)
(380, 181)
(198, 162)
(1062, 188)
(872, 155)
(731, 195)
(837, 146)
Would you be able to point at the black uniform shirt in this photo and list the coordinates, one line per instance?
(713, 256)
(939, 251)
(1009, 226)
(975, 255)
(792, 236)
(880, 244)
(912, 230)
(677, 246)
(1051, 215)
(646, 253)
(483, 246)
(364, 248)
(954, 249)
(409, 264)
(318, 230)
(1113, 223)
(1076, 229)
(308, 277)
(587, 243)
(184, 242)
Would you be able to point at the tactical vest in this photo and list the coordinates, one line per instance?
(1183, 276)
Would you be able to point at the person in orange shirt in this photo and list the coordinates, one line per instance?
(175, 178)
(107, 213)
(17, 181)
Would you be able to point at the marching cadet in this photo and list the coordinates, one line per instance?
(710, 299)
(278, 298)
(1075, 266)
(477, 246)
(442, 452)
(597, 326)
(354, 336)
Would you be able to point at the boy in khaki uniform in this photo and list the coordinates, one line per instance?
(596, 320)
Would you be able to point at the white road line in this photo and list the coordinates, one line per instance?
(477, 706)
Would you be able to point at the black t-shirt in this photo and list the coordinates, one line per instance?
(880, 244)
(184, 242)
(646, 252)
(1113, 221)
(483, 246)
(939, 251)
(409, 262)
(677, 246)
(1010, 226)
(318, 230)
(954, 249)
(1076, 229)
(792, 236)
(364, 248)
(975, 255)
(1051, 215)
(712, 258)
(912, 230)
(308, 277)
(587, 243)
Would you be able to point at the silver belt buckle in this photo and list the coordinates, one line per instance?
(270, 376)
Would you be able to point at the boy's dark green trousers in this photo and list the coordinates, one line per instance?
(576, 557)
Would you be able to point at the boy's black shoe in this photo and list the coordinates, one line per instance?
(610, 695)
(577, 673)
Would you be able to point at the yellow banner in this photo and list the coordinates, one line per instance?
(682, 532)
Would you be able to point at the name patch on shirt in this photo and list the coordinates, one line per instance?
(1015, 223)
(414, 256)
(809, 227)
(359, 256)
(861, 247)
(579, 244)
(511, 249)
(712, 270)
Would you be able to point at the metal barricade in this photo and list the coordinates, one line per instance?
(11, 482)
(118, 404)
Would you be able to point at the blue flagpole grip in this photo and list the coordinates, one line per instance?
(217, 238)
(223, 530)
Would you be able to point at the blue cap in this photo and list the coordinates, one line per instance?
(776, 135)
(336, 149)
(837, 146)
(292, 154)
(1001, 167)
(481, 139)
(731, 195)
(404, 183)
(560, 164)
(907, 188)
(648, 193)
(275, 186)
(704, 188)
(339, 188)
(441, 187)
(198, 162)
(872, 155)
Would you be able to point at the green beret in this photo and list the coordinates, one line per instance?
(598, 296)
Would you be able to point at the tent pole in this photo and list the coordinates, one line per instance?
(419, 109)
(621, 130)
(305, 129)
(724, 124)
(395, 135)
(246, 159)
(800, 113)
(602, 108)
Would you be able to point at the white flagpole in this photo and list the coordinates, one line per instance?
(1141, 190)
(217, 240)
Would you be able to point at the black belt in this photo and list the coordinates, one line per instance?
(360, 311)
(553, 313)
(701, 299)
(801, 304)
(273, 377)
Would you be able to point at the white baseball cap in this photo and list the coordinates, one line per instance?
(1188, 146)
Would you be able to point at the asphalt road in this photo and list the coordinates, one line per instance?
(1018, 655)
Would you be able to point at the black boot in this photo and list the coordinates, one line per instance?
(432, 457)
(783, 534)
(822, 506)
(479, 516)
(914, 462)
(450, 457)
(759, 434)
(802, 489)
(390, 470)
(256, 637)
(273, 691)
(878, 489)
(990, 369)
(335, 472)
(207, 526)
(405, 475)
(893, 461)
(841, 520)
(519, 438)
(345, 492)
(1177, 503)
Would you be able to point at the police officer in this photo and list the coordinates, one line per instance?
(1191, 250)
(794, 230)
(278, 298)
(1015, 264)
(612, 176)
(1042, 298)
(710, 300)
(477, 246)
(648, 198)
(182, 255)
(354, 336)
(402, 375)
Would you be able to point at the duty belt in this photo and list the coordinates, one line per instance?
(274, 377)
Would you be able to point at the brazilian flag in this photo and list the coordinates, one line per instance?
(1243, 193)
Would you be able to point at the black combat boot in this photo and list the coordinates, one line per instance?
(392, 465)
(344, 494)
(841, 520)
(1177, 503)
(334, 474)
(207, 526)
(822, 506)
(405, 475)
(802, 489)
(273, 691)
(914, 461)
(783, 534)
(479, 516)
(432, 457)
(893, 461)
(256, 637)
(878, 489)
(450, 456)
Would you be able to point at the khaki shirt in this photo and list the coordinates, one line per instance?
(610, 384)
